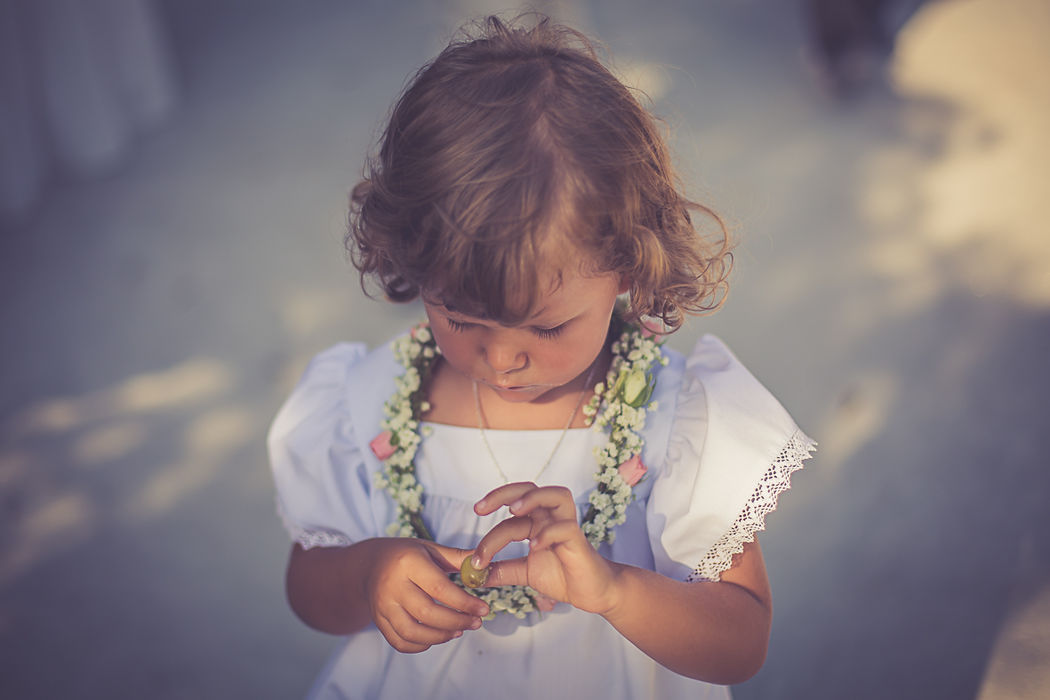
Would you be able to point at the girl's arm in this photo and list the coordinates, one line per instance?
(717, 632)
(400, 584)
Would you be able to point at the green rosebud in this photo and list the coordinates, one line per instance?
(633, 386)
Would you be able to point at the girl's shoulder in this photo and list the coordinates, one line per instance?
(342, 389)
(711, 409)
(318, 446)
(712, 388)
(728, 451)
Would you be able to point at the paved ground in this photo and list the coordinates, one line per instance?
(892, 288)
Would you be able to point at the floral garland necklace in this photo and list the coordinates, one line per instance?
(625, 393)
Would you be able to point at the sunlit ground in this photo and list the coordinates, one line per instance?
(980, 221)
(892, 288)
(978, 205)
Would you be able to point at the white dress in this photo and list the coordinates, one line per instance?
(719, 449)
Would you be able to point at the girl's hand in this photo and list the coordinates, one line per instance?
(561, 563)
(411, 599)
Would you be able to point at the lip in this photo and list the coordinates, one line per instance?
(514, 389)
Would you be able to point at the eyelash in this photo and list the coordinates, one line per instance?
(549, 333)
(545, 333)
(456, 326)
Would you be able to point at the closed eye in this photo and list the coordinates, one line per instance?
(545, 333)
(549, 333)
(457, 326)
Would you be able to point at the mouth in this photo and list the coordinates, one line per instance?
(516, 389)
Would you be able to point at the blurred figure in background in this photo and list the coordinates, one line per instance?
(78, 83)
(853, 40)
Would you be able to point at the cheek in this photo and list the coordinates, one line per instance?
(583, 349)
(573, 353)
(455, 347)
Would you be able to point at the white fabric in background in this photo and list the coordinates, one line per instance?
(78, 81)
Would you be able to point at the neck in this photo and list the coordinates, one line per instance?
(451, 397)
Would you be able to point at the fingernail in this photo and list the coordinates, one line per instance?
(515, 505)
(476, 623)
(480, 504)
(475, 561)
(458, 634)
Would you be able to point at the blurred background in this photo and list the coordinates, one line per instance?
(173, 177)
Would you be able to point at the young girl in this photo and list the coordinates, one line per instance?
(532, 439)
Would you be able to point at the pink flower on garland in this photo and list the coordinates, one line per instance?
(632, 470)
(545, 604)
(653, 328)
(381, 446)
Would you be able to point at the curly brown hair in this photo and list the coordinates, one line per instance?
(513, 133)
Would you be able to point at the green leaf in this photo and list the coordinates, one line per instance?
(416, 519)
(620, 379)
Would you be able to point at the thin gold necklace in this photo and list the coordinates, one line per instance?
(572, 416)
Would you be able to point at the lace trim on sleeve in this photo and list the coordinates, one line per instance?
(752, 518)
(311, 538)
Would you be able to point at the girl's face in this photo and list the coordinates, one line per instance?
(550, 349)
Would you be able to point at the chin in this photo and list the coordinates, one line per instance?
(524, 395)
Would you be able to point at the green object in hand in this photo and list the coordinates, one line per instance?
(472, 578)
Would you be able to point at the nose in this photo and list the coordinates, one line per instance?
(503, 355)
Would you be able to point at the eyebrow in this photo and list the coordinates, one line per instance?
(461, 312)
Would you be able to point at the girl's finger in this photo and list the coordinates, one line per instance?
(388, 624)
(502, 534)
(509, 572)
(560, 532)
(502, 496)
(446, 558)
(395, 640)
(556, 499)
(438, 587)
(425, 610)
(413, 633)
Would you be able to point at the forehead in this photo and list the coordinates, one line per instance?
(559, 295)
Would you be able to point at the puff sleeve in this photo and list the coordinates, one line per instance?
(323, 476)
(730, 453)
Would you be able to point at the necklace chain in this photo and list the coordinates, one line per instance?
(572, 416)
